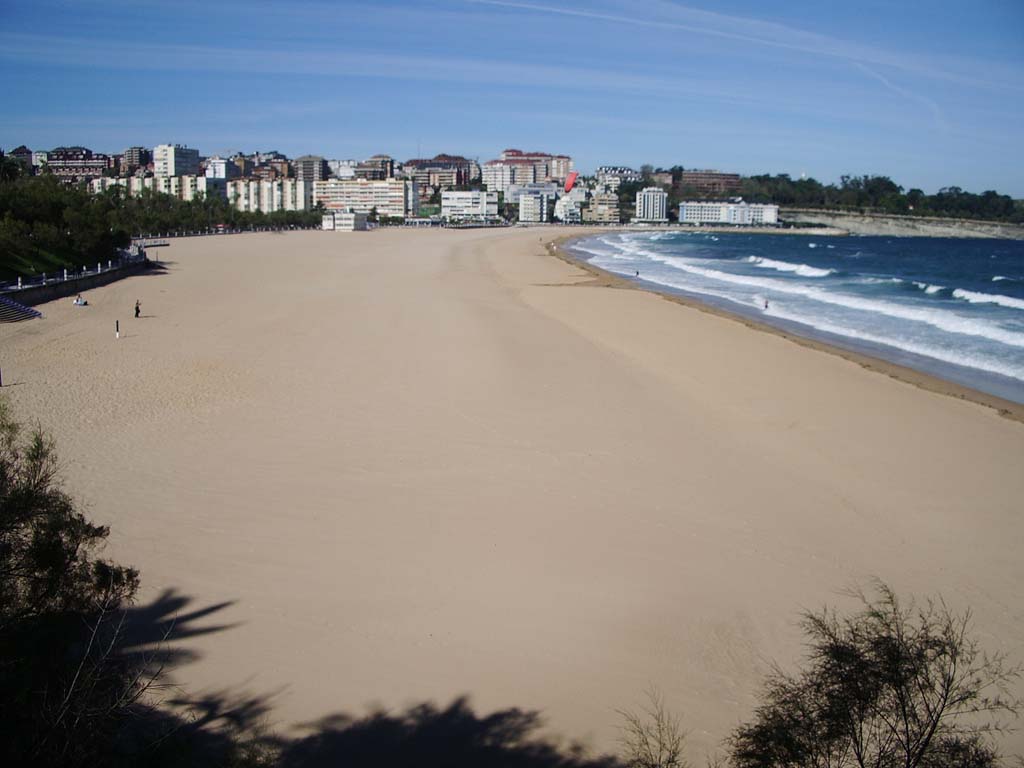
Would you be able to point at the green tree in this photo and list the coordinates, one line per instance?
(66, 691)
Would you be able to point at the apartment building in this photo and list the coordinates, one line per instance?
(603, 209)
(175, 160)
(710, 182)
(270, 195)
(499, 175)
(72, 164)
(134, 158)
(395, 198)
(181, 187)
(220, 168)
(733, 213)
(567, 211)
(376, 168)
(311, 168)
(473, 205)
(651, 206)
(547, 167)
(534, 208)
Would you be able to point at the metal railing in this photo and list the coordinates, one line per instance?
(131, 255)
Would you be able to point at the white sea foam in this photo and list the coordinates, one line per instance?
(988, 298)
(812, 245)
(942, 319)
(941, 353)
(929, 288)
(997, 278)
(804, 270)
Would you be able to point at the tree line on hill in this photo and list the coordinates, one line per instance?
(46, 226)
(867, 194)
(82, 670)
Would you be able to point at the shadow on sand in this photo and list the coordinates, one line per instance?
(230, 727)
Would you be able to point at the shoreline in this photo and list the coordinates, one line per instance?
(1006, 408)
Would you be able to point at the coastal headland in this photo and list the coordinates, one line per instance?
(409, 465)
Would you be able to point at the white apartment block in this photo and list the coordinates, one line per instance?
(395, 198)
(735, 213)
(475, 204)
(499, 175)
(175, 160)
(270, 196)
(567, 211)
(651, 206)
(181, 187)
(614, 176)
(533, 208)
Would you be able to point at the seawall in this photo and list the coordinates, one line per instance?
(903, 226)
(59, 289)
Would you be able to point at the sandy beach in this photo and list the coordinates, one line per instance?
(419, 464)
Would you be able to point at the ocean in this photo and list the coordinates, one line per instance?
(951, 308)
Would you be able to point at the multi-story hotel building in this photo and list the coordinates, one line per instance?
(270, 195)
(710, 182)
(395, 198)
(603, 209)
(175, 160)
(567, 211)
(651, 206)
(735, 213)
(473, 205)
(219, 168)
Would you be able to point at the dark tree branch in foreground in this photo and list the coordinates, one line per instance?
(894, 686)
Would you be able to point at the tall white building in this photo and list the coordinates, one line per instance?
(533, 208)
(395, 198)
(270, 195)
(474, 204)
(651, 206)
(175, 160)
(734, 212)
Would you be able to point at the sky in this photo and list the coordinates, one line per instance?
(928, 93)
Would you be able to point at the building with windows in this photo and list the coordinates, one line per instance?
(651, 206)
(731, 213)
(342, 169)
(175, 160)
(220, 168)
(473, 205)
(547, 167)
(566, 210)
(710, 182)
(395, 198)
(344, 221)
(499, 175)
(514, 191)
(270, 195)
(534, 208)
(603, 209)
(376, 168)
(310, 168)
(135, 158)
(73, 164)
(181, 187)
(614, 176)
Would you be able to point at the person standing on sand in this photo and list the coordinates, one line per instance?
(138, 308)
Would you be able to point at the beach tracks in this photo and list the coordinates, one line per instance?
(13, 312)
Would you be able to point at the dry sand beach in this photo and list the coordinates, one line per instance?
(421, 464)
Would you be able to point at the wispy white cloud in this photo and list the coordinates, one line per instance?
(918, 98)
(661, 14)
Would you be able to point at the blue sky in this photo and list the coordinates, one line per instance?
(931, 94)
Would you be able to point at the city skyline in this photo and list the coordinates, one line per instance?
(929, 95)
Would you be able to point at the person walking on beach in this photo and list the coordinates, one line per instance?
(138, 308)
